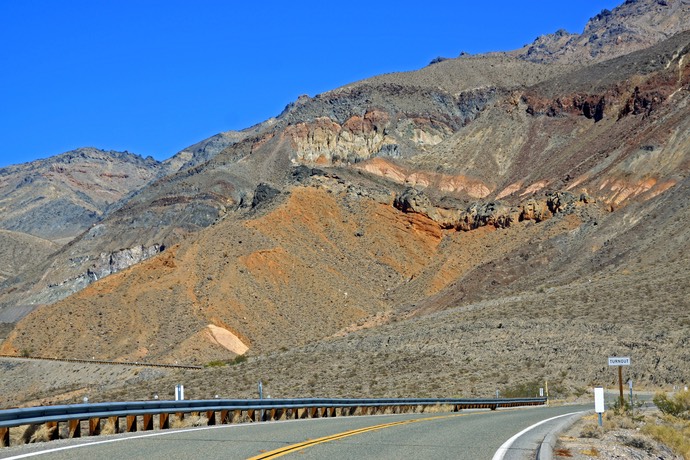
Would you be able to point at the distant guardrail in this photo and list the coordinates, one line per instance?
(223, 411)
(111, 363)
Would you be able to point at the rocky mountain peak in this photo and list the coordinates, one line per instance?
(634, 25)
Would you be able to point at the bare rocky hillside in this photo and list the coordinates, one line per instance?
(486, 220)
(59, 197)
(633, 25)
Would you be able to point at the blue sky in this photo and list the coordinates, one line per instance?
(153, 77)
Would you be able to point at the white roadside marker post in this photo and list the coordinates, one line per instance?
(599, 402)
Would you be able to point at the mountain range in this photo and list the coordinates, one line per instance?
(488, 221)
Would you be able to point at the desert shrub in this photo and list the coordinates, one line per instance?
(239, 359)
(591, 430)
(618, 420)
(677, 406)
(676, 436)
(438, 59)
(523, 390)
(619, 407)
(217, 363)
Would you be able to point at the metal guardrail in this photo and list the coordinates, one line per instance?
(110, 363)
(230, 410)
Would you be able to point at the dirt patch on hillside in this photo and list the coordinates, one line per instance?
(227, 340)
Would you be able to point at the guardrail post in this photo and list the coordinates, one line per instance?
(54, 430)
(211, 416)
(225, 417)
(74, 428)
(164, 420)
(147, 422)
(251, 414)
(131, 423)
(179, 416)
(115, 422)
(4, 436)
(94, 426)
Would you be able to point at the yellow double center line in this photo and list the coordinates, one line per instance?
(334, 437)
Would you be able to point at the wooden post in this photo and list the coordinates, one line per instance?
(4, 436)
(94, 426)
(225, 417)
(211, 416)
(54, 430)
(148, 422)
(164, 421)
(74, 428)
(620, 385)
(131, 423)
(115, 421)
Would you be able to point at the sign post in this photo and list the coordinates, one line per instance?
(620, 362)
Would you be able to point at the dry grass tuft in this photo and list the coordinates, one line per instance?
(673, 432)
(437, 409)
(591, 430)
(42, 434)
(189, 421)
(616, 421)
(108, 428)
(591, 452)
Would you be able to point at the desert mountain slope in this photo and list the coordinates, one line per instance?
(19, 251)
(491, 305)
(484, 211)
(453, 140)
(61, 196)
(201, 152)
(616, 129)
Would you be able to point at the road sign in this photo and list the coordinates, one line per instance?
(619, 361)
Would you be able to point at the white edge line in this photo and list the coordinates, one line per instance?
(501, 452)
(160, 433)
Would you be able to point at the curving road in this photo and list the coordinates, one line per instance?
(467, 435)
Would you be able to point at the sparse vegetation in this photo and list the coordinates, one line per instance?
(677, 406)
(624, 437)
(438, 59)
(239, 359)
(673, 432)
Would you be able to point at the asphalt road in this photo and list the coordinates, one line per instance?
(467, 435)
